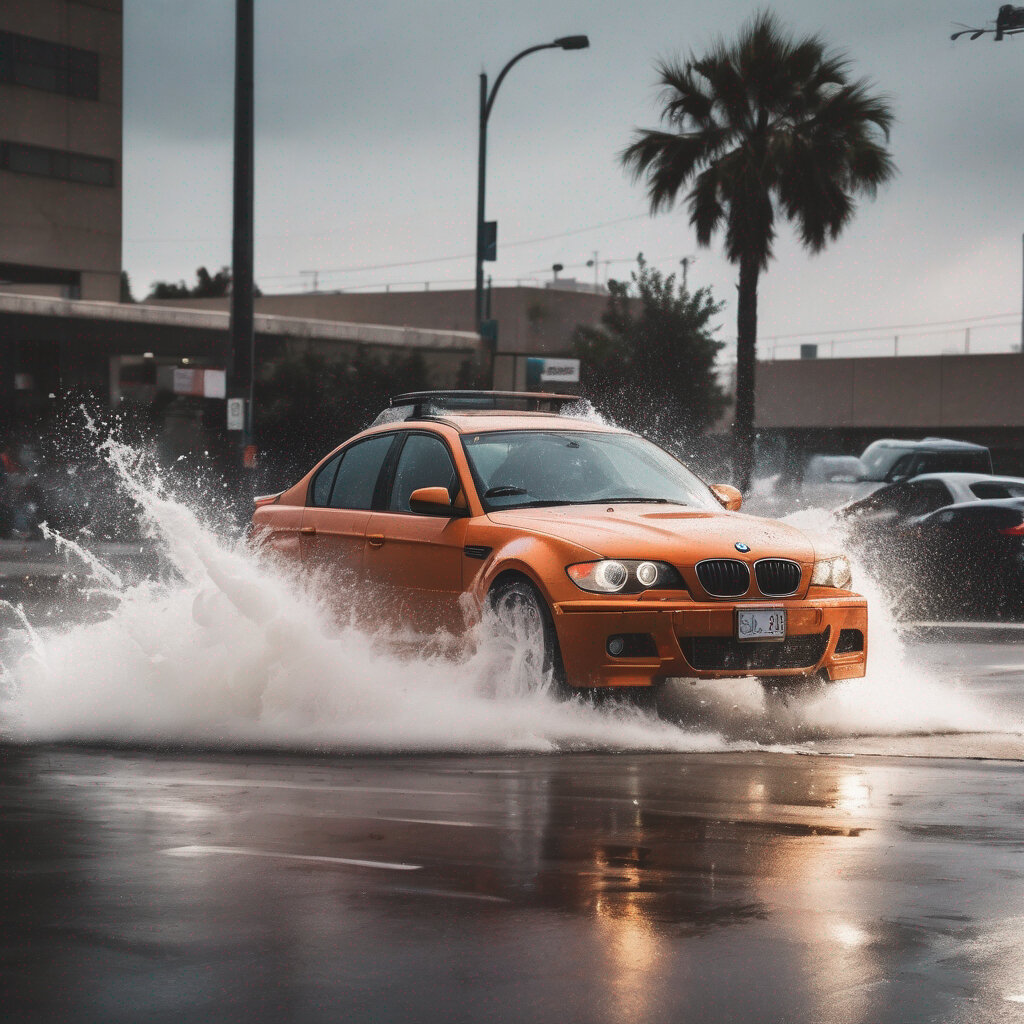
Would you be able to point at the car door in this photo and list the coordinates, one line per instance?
(338, 510)
(413, 560)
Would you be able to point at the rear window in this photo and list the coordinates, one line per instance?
(993, 491)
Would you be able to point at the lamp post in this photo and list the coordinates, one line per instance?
(1009, 22)
(486, 233)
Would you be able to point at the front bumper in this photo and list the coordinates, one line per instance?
(697, 639)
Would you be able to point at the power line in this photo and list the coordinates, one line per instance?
(965, 321)
(461, 256)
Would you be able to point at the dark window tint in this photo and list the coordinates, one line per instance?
(952, 462)
(988, 492)
(54, 163)
(40, 64)
(358, 473)
(888, 499)
(324, 481)
(924, 498)
(424, 462)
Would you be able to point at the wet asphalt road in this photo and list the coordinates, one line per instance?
(591, 888)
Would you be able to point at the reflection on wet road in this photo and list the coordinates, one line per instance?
(563, 888)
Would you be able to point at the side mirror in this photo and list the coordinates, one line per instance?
(434, 501)
(728, 495)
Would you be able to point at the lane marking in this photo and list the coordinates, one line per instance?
(248, 851)
(446, 894)
(419, 821)
(136, 780)
(972, 624)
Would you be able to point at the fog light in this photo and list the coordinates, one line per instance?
(647, 573)
(616, 645)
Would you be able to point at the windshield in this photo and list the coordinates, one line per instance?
(522, 468)
(879, 458)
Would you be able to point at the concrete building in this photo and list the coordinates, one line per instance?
(841, 405)
(60, 147)
(531, 321)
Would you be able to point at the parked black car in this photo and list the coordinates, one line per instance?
(947, 545)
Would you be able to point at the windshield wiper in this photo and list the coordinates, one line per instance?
(505, 491)
(623, 501)
(540, 503)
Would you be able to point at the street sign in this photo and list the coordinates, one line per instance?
(489, 332)
(489, 240)
(551, 371)
(236, 414)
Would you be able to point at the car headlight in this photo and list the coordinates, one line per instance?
(624, 576)
(832, 572)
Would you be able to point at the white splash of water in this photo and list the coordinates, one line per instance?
(238, 650)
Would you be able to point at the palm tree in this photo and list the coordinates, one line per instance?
(770, 126)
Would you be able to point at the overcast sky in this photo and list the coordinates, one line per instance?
(366, 150)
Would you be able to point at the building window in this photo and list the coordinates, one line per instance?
(54, 163)
(43, 65)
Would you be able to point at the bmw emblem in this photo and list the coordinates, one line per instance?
(744, 548)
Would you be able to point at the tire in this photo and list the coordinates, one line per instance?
(523, 621)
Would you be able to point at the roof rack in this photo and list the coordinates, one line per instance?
(420, 404)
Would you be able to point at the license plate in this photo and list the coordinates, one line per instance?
(761, 624)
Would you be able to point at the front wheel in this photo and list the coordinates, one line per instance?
(524, 627)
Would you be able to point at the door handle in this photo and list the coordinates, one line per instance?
(310, 531)
(376, 540)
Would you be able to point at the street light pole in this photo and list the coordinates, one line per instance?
(481, 185)
(1009, 22)
(240, 364)
(486, 237)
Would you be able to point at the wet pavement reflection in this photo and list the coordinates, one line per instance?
(147, 886)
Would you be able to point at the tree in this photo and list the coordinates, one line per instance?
(207, 286)
(306, 403)
(765, 127)
(126, 288)
(651, 365)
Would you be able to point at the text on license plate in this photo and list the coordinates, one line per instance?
(761, 624)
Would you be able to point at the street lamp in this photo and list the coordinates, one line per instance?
(1009, 21)
(487, 233)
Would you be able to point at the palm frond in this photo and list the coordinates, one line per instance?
(767, 124)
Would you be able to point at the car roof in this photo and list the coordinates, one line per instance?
(478, 421)
(935, 444)
(966, 479)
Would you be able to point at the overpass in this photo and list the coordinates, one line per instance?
(49, 345)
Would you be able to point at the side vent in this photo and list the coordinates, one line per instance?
(477, 551)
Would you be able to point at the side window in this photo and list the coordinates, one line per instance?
(888, 499)
(324, 481)
(424, 462)
(357, 475)
(903, 467)
(925, 498)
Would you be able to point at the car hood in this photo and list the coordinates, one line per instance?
(673, 533)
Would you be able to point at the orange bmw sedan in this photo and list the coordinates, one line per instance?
(626, 568)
